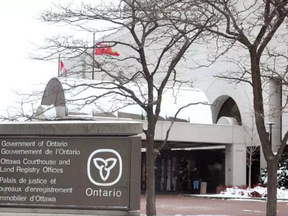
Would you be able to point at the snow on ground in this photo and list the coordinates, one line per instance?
(253, 194)
(247, 193)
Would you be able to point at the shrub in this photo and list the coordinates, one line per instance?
(282, 173)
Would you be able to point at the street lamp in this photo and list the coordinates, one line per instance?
(270, 131)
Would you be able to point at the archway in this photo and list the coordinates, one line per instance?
(230, 109)
(226, 108)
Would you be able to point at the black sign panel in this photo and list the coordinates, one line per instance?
(90, 173)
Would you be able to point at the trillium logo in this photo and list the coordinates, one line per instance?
(104, 171)
(104, 166)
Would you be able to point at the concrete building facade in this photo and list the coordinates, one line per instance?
(231, 103)
(187, 135)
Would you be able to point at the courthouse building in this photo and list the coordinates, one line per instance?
(212, 136)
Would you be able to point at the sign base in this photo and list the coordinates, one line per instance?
(63, 212)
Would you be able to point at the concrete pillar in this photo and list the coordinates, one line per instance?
(235, 165)
(275, 112)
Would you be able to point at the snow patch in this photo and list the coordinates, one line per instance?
(248, 193)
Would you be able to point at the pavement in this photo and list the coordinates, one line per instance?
(218, 196)
(178, 205)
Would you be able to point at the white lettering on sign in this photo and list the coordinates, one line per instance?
(56, 144)
(38, 162)
(7, 169)
(21, 152)
(27, 170)
(103, 193)
(5, 143)
(52, 170)
(67, 152)
(37, 181)
(11, 189)
(8, 180)
(45, 190)
(15, 198)
(64, 162)
(10, 162)
(42, 199)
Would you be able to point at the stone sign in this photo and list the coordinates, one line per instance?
(66, 172)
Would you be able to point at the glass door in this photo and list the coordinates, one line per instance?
(165, 174)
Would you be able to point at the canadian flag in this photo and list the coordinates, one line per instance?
(104, 49)
(62, 68)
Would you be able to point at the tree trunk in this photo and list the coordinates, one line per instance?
(271, 204)
(250, 170)
(150, 163)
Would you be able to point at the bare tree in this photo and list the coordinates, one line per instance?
(251, 140)
(150, 45)
(255, 27)
(23, 107)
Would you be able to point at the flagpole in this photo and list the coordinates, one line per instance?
(93, 56)
(59, 65)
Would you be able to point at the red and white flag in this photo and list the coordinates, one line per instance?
(63, 70)
(104, 49)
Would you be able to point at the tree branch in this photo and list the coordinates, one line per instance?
(172, 123)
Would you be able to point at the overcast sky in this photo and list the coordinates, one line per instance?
(20, 28)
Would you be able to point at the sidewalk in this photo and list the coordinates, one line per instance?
(178, 205)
